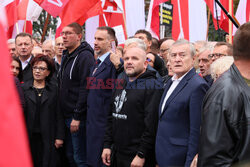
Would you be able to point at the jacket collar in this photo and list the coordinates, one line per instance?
(103, 66)
(177, 90)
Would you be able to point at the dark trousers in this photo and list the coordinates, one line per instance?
(121, 161)
(75, 145)
(36, 146)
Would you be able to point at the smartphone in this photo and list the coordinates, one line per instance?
(113, 46)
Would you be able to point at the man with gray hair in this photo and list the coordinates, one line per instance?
(48, 48)
(132, 120)
(12, 47)
(180, 109)
(204, 63)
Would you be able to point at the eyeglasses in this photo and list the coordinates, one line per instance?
(67, 33)
(216, 55)
(39, 68)
(150, 60)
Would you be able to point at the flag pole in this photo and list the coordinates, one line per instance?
(230, 22)
(217, 20)
(228, 15)
(17, 28)
(24, 28)
(45, 27)
(208, 20)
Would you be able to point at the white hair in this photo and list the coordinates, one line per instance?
(220, 65)
(139, 43)
(184, 41)
(11, 41)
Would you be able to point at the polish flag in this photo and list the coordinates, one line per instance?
(78, 11)
(27, 12)
(153, 21)
(242, 13)
(125, 16)
(189, 20)
(11, 11)
(13, 141)
(53, 7)
(222, 17)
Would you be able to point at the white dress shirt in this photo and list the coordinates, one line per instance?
(25, 63)
(175, 83)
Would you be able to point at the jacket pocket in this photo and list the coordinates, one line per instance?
(178, 141)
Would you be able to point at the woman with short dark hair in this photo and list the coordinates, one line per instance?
(44, 119)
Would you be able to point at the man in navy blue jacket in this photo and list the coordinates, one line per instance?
(180, 109)
(100, 82)
(76, 63)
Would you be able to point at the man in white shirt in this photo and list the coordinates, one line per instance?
(180, 109)
(24, 48)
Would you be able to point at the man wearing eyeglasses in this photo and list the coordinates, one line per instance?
(164, 49)
(24, 48)
(180, 109)
(221, 49)
(76, 63)
(225, 137)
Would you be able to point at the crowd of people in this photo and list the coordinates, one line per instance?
(146, 103)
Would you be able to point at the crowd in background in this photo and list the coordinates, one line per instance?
(148, 102)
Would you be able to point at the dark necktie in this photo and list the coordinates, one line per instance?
(97, 62)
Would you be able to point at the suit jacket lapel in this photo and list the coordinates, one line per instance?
(168, 84)
(179, 87)
(102, 66)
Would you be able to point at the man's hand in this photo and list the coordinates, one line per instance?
(74, 126)
(58, 143)
(115, 59)
(106, 156)
(194, 162)
(138, 162)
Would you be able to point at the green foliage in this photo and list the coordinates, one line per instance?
(38, 25)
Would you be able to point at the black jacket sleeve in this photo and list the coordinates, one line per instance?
(85, 62)
(151, 105)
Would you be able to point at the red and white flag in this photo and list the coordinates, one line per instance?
(13, 141)
(27, 12)
(126, 17)
(53, 7)
(153, 21)
(217, 12)
(243, 12)
(189, 20)
(11, 11)
(78, 11)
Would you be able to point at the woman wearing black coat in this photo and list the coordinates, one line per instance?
(44, 120)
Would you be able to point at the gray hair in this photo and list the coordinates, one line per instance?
(221, 65)
(52, 42)
(206, 47)
(183, 42)
(11, 41)
(139, 43)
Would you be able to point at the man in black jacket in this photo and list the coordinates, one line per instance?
(75, 68)
(132, 120)
(24, 47)
(225, 132)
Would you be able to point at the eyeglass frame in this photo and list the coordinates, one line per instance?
(39, 68)
(67, 33)
(216, 55)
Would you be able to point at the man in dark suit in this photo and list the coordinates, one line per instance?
(180, 109)
(24, 47)
(100, 92)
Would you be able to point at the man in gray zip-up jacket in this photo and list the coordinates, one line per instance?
(76, 63)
